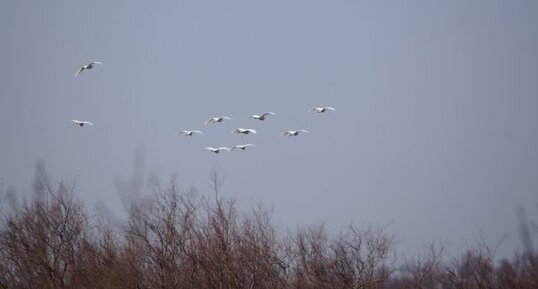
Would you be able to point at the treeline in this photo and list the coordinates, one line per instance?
(184, 240)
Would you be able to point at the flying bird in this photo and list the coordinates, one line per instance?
(81, 123)
(87, 66)
(217, 150)
(189, 132)
(261, 116)
(242, 147)
(294, 132)
(321, 109)
(216, 119)
(244, 130)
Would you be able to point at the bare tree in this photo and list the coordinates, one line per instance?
(426, 270)
(177, 239)
(42, 240)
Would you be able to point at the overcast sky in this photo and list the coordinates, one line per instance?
(435, 129)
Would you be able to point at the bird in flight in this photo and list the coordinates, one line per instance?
(217, 150)
(244, 130)
(261, 116)
(294, 132)
(87, 66)
(189, 132)
(321, 109)
(242, 147)
(216, 119)
(81, 123)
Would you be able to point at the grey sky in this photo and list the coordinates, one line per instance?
(435, 128)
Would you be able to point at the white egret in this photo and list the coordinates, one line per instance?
(217, 150)
(216, 119)
(81, 123)
(87, 66)
(295, 132)
(321, 109)
(244, 130)
(242, 147)
(261, 116)
(189, 132)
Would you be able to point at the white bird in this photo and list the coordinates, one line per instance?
(188, 132)
(295, 132)
(244, 130)
(321, 109)
(87, 66)
(261, 116)
(217, 150)
(243, 147)
(81, 123)
(216, 119)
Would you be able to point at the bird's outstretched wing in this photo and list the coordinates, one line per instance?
(79, 71)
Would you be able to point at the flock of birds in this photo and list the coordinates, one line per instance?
(215, 120)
